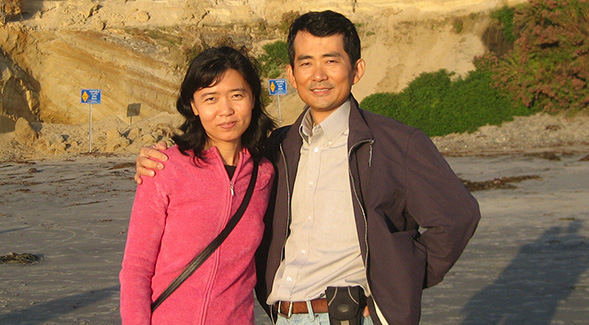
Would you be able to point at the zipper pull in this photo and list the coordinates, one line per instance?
(370, 158)
(231, 187)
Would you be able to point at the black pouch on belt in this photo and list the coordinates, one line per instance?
(345, 305)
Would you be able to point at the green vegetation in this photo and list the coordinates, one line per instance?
(547, 70)
(505, 16)
(274, 60)
(458, 25)
(275, 57)
(287, 19)
(440, 103)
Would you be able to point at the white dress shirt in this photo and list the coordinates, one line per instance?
(322, 249)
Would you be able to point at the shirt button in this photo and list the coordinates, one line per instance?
(288, 279)
(316, 149)
(304, 251)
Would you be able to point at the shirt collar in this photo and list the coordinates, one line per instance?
(333, 126)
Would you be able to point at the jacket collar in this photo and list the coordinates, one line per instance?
(359, 130)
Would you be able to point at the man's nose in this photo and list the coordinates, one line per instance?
(319, 73)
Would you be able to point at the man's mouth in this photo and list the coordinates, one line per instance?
(320, 91)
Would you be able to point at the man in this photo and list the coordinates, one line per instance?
(353, 189)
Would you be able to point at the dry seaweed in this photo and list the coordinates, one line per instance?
(503, 183)
(544, 155)
(23, 258)
(123, 165)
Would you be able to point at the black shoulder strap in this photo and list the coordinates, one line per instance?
(200, 258)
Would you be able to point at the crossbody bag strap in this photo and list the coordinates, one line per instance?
(200, 258)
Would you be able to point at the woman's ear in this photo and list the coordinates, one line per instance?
(194, 110)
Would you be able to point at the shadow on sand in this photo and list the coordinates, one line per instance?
(542, 275)
(44, 312)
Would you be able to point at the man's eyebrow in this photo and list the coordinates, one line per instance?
(326, 55)
(332, 55)
(304, 57)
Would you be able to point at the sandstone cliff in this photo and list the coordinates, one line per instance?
(135, 51)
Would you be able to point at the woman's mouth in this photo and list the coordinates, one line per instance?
(227, 125)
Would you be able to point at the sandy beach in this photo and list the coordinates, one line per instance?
(527, 263)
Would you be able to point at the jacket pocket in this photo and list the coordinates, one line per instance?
(397, 274)
(409, 255)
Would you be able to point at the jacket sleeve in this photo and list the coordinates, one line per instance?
(146, 228)
(440, 203)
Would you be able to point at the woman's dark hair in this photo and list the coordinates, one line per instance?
(323, 24)
(204, 71)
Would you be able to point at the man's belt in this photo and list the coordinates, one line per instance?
(287, 309)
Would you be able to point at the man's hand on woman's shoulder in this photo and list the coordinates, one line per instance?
(146, 163)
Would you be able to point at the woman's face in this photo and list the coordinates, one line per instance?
(225, 109)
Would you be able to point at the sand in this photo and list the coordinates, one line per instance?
(527, 263)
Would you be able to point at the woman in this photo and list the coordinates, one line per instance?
(180, 211)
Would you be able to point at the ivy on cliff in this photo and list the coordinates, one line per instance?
(548, 68)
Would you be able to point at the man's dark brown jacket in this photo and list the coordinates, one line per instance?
(413, 214)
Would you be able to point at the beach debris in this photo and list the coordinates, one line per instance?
(24, 258)
(33, 170)
(545, 155)
(586, 158)
(553, 127)
(502, 183)
(86, 203)
(123, 165)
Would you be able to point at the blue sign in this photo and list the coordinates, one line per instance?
(90, 96)
(277, 87)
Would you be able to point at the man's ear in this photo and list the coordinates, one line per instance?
(290, 76)
(359, 69)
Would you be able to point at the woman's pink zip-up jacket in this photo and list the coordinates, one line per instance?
(176, 214)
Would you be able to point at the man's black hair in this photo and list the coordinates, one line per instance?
(322, 24)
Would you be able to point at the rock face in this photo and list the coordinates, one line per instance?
(18, 94)
(136, 51)
(24, 132)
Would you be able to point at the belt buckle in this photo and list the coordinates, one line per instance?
(287, 316)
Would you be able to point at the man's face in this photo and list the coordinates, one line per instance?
(322, 72)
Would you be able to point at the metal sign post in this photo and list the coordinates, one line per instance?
(278, 87)
(90, 130)
(90, 96)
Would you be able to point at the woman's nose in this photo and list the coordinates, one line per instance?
(227, 107)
